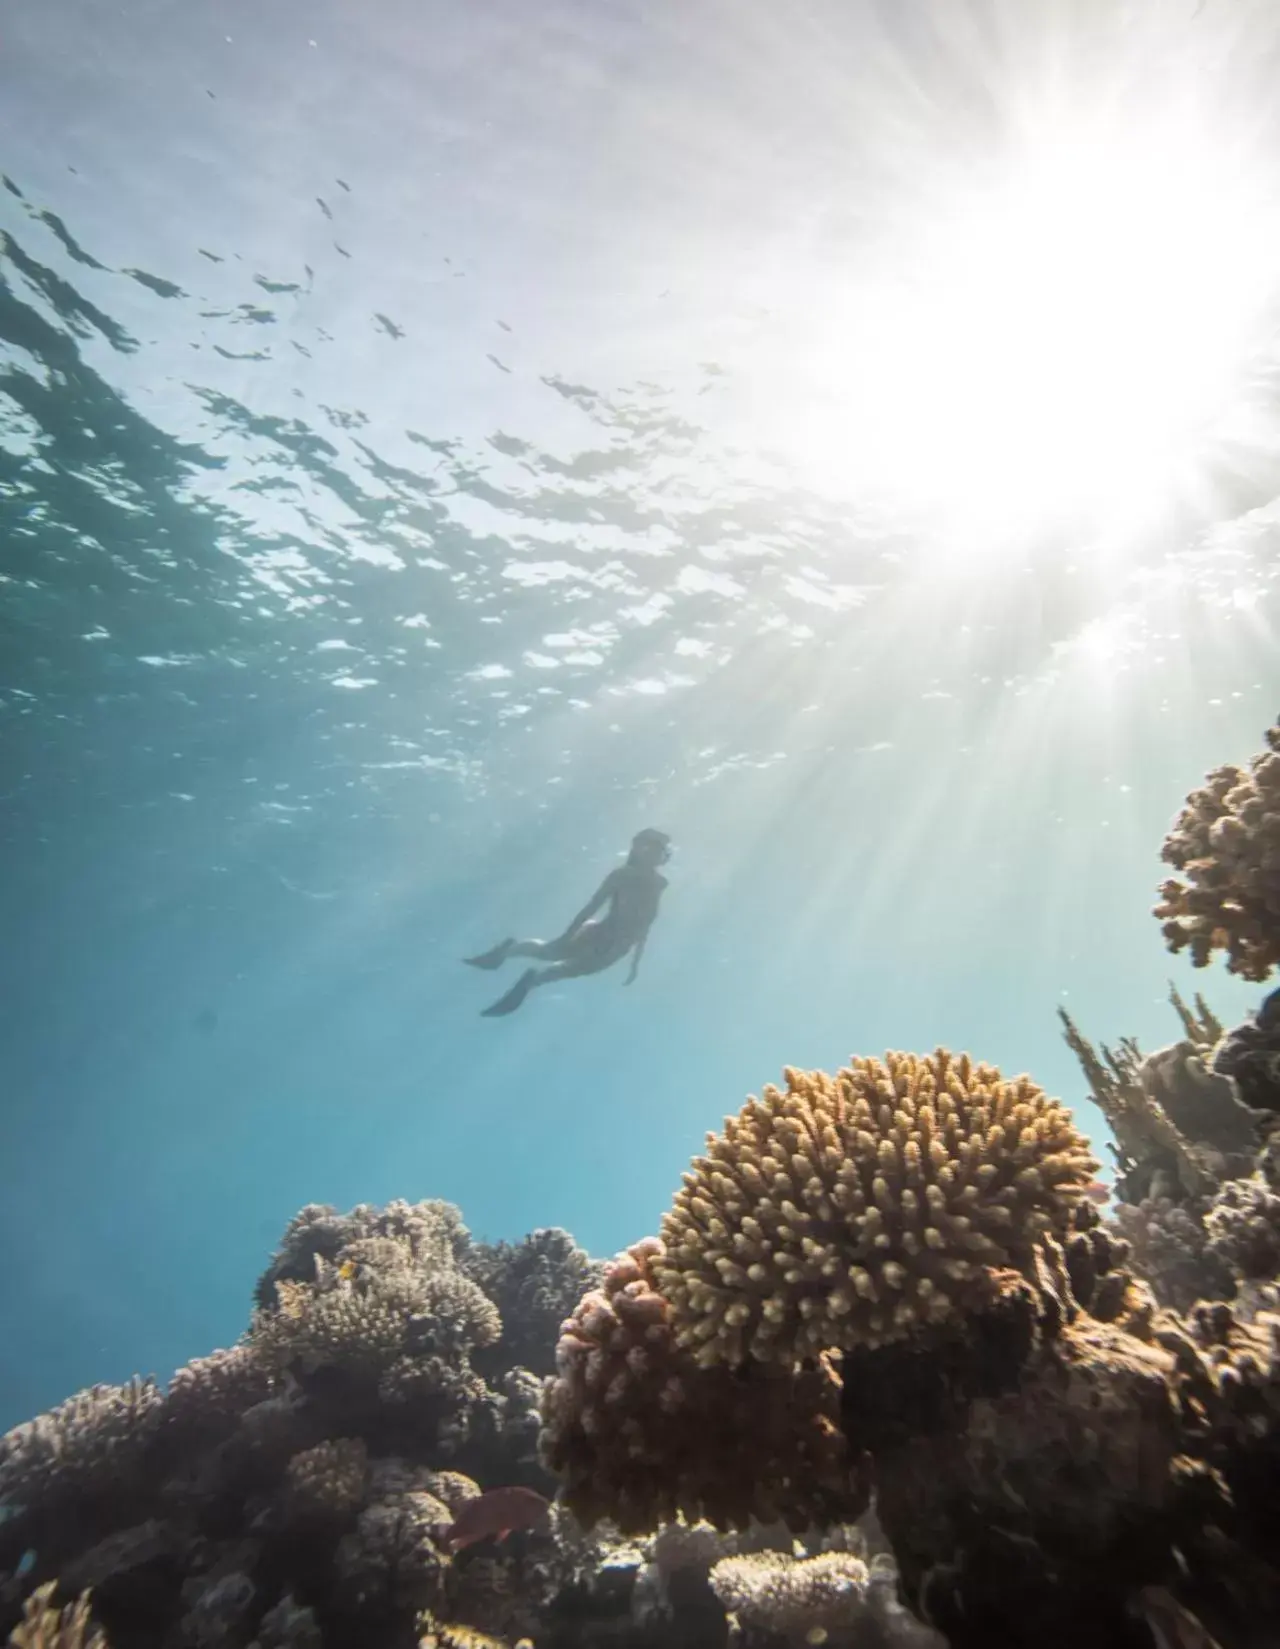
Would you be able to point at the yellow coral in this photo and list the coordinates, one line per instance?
(851, 1210)
(43, 1626)
(439, 1634)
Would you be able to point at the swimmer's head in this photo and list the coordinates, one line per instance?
(650, 847)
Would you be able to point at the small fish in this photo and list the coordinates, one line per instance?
(497, 1512)
(1098, 1191)
(347, 1270)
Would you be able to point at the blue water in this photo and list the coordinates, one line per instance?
(391, 528)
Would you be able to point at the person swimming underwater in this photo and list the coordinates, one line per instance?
(590, 944)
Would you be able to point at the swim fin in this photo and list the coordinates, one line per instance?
(491, 958)
(514, 997)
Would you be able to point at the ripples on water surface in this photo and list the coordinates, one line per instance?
(404, 493)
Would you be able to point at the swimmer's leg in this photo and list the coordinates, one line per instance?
(533, 977)
(543, 950)
(514, 997)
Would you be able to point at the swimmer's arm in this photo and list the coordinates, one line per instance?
(603, 892)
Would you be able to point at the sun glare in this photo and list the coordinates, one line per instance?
(1069, 340)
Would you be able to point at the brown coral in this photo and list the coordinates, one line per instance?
(852, 1210)
(640, 1433)
(1226, 843)
(796, 1598)
(392, 1559)
(45, 1626)
(388, 1309)
(329, 1480)
(90, 1444)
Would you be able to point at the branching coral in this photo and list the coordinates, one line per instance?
(535, 1284)
(638, 1432)
(855, 1209)
(1169, 1246)
(1250, 1056)
(430, 1234)
(1243, 1227)
(796, 1598)
(1226, 844)
(294, 1486)
(45, 1626)
(393, 1559)
(94, 1444)
(388, 1313)
(329, 1480)
(1179, 1127)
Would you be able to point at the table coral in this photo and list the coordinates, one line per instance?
(856, 1209)
(1226, 844)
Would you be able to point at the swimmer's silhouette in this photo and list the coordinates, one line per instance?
(632, 892)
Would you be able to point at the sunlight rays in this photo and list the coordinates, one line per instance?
(1066, 331)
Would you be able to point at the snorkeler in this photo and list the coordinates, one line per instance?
(632, 892)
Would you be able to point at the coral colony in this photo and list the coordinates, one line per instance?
(887, 1377)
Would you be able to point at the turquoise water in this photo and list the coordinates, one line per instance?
(397, 516)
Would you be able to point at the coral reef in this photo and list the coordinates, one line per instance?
(1243, 1228)
(1179, 1126)
(1250, 1056)
(1169, 1247)
(300, 1485)
(535, 1284)
(851, 1210)
(639, 1432)
(1042, 1450)
(1226, 844)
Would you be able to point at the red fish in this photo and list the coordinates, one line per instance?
(1098, 1191)
(497, 1512)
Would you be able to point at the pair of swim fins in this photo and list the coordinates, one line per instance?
(515, 996)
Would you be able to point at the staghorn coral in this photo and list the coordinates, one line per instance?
(1226, 844)
(639, 1433)
(1179, 1127)
(857, 1209)
(45, 1626)
(794, 1598)
(535, 1284)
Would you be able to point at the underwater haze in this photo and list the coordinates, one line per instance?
(438, 441)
